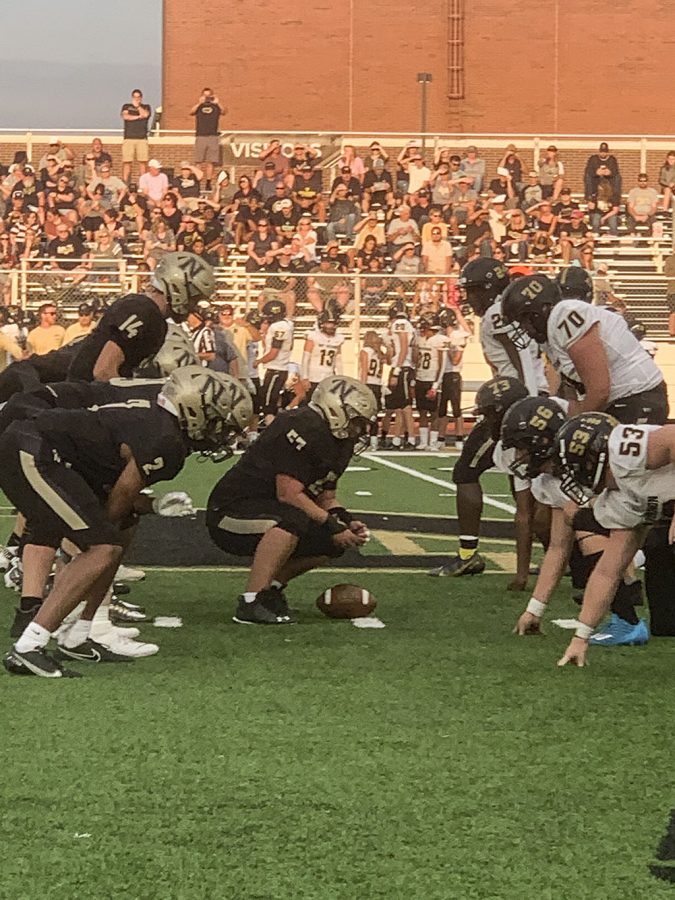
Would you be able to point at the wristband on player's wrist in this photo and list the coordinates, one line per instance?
(536, 607)
(583, 631)
(396, 371)
(333, 525)
(342, 515)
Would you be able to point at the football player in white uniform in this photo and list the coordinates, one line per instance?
(322, 353)
(529, 430)
(372, 358)
(592, 349)
(431, 348)
(277, 355)
(398, 401)
(632, 469)
(451, 389)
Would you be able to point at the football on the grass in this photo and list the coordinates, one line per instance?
(346, 601)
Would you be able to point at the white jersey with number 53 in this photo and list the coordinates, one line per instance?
(641, 492)
(631, 370)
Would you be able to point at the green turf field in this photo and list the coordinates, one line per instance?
(440, 757)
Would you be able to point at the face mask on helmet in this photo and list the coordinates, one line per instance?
(274, 311)
(495, 397)
(483, 280)
(583, 456)
(530, 428)
(184, 279)
(347, 405)
(526, 306)
(212, 408)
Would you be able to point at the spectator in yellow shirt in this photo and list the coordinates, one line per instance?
(84, 324)
(48, 335)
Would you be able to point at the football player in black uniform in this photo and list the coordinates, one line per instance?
(279, 504)
(130, 331)
(492, 400)
(78, 474)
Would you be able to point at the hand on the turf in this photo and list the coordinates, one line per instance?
(361, 529)
(575, 653)
(517, 584)
(349, 540)
(173, 505)
(528, 624)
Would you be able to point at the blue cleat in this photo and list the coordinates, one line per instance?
(619, 633)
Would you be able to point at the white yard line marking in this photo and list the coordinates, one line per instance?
(506, 507)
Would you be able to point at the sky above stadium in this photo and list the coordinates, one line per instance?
(72, 64)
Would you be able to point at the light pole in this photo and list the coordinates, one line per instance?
(423, 79)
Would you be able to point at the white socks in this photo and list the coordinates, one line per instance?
(249, 596)
(77, 634)
(35, 637)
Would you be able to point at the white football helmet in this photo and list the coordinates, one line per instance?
(184, 279)
(212, 408)
(176, 351)
(347, 405)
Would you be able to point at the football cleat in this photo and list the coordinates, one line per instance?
(266, 609)
(7, 554)
(14, 575)
(122, 613)
(22, 619)
(124, 646)
(91, 651)
(619, 633)
(127, 573)
(458, 566)
(121, 588)
(36, 662)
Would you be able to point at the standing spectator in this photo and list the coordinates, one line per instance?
(667, 180)
(437, 253)
(473, 166)
(641, 204)
(207, 112)
(153, 184)
(47, 336)
(551, 173)
(136, 118)
(84, 324)
(601, 165)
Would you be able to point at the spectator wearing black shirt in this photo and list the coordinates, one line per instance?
(261, 248)
(199, 249)
(273, 204)
(241, 203)
(66, 251)
(33, 193)
(421, 204)
(573, 237)
(378, 187)
(301, 154)
(353, 184)
(307, 191)
(207, 112)
(186, 184)
(601, 165)
(565, 206)
(136, 118)
(285, 220)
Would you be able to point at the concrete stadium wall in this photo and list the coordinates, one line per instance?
(562, 67)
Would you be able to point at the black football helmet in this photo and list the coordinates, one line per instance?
(575, 284)
(328, 317)
(398, 310)
(496, 396)
(447, 318)
(428, 320)
(527, 304)
(531, 425)
(639, 330)
(254, 318)
(582, 452)
(483, 279)
(274, 310)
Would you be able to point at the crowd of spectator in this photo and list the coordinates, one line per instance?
(292, 218)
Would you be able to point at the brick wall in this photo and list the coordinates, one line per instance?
(566, 67)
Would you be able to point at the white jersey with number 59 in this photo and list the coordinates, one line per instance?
(631, 370)
(640, 492)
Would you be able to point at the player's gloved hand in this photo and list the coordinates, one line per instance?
(528, 624)
(575, 653)
(173, 505)
(517, 584)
